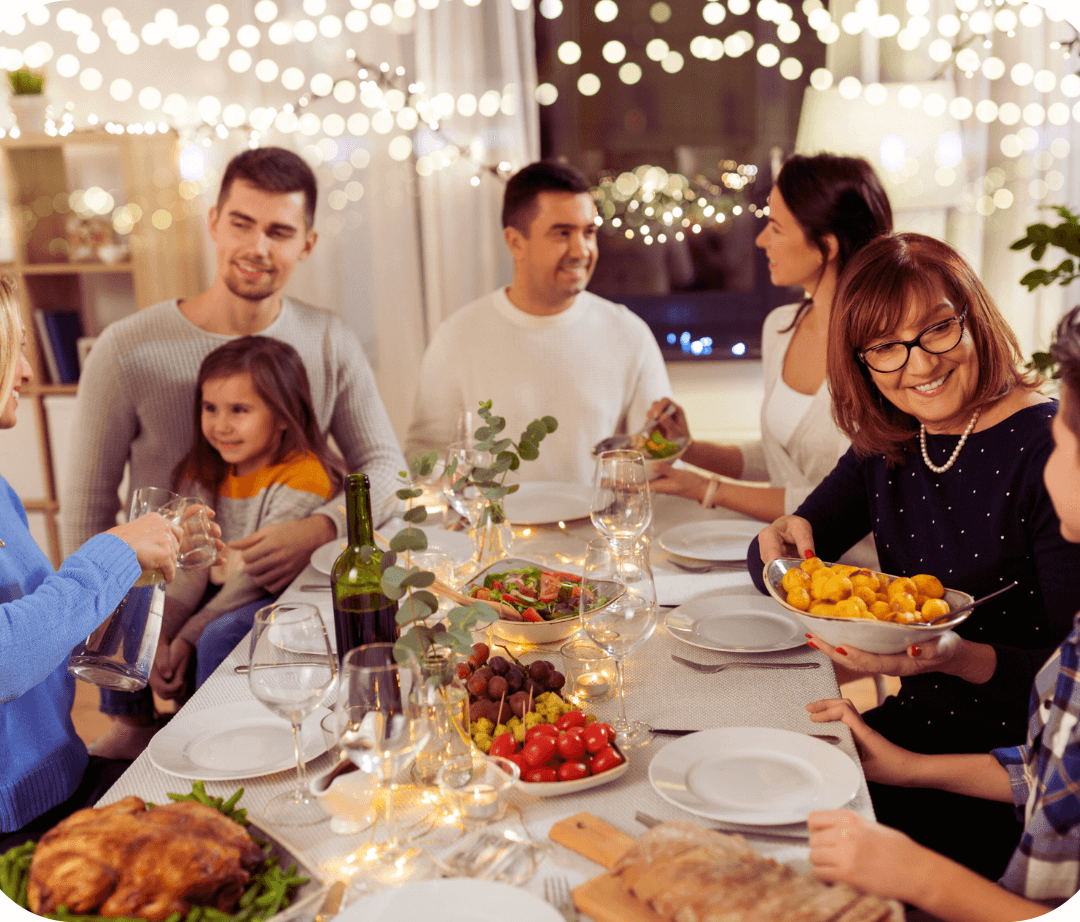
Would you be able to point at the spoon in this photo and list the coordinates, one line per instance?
(615, 442)
(970, 605)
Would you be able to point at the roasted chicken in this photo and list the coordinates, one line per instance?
(125, 860)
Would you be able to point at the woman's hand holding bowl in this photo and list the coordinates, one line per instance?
(678, 481)
(788, 536)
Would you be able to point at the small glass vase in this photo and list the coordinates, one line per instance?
(493, 540)
(447, 701)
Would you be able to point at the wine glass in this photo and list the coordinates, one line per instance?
(383, 722)
(618, 612)
(464, 497)
(291, 671)
(621, 501)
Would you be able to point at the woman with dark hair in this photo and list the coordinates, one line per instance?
(822, 210)
(949, 438)
(258, 457)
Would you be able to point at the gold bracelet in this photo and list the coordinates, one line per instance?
(710, 492)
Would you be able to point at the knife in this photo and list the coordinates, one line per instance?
(825, 737)
(330, 905)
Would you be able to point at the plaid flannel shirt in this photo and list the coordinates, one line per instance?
(1045, 778)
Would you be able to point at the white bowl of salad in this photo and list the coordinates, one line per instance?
(546, 598)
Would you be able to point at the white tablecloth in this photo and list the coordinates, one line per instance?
(659, 691)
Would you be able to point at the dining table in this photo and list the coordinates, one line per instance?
(659, 691)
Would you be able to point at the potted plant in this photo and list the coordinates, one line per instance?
(1040, 237)
(28, 99)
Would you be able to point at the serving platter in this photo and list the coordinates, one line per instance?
(557, 788)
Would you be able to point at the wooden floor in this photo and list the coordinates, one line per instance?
(90, 723)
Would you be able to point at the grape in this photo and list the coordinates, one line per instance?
(556, 681)
(502, 712)
(477, 684)
(519, 701)
(535, 687)
(464, 670)
(485, 673)
(500, 665)
(539, 671)
(481, 651)
(477, 710)
(515, 678)
(497, 687)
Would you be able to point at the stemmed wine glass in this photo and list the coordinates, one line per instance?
(382, 724)
(621, 501)
(291, 670)
(468, 499)
(622, 576)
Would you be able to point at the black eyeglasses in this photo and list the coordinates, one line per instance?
(935, 339)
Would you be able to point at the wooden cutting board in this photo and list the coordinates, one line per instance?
(603, 898)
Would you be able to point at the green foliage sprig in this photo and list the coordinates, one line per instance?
(26, 82)
(1040, 237)
(410, 585)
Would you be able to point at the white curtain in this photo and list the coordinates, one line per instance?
(1036, 173)
(398, 251)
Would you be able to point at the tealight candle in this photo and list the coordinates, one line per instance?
(480, 802)
(592, 684)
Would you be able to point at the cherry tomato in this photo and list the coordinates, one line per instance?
(531, 614)
(605, 760)
(573, 771)
(519, 760)
(571, 745)
(570, 719)
(597, 736)
(549, 586)
(539, 749)
(505, 745)
(543, 774)
(541, 730)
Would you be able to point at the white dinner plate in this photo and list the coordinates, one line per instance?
(713, 540)
(457, 544)
(548, 502)
(753, 775)
(453, 899)
(744, 622)
(232, 741)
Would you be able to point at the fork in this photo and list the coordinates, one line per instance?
(720, 667)
(557, 892)
(709, 567)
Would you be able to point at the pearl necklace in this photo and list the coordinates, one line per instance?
(956, 451)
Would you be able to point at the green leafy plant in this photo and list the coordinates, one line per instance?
(26, 82)
(411, 585)
(1040, 237)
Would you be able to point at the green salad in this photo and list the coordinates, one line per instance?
(536, 594)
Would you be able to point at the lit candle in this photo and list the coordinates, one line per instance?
(593, 684)
(481, 802)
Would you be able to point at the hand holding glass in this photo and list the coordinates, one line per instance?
(291, 671)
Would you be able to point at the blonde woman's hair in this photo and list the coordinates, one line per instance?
(10, 335)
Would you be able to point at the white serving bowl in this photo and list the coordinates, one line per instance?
(867, 634)
(525, 632)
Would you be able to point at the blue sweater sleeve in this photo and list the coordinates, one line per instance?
(44, 614)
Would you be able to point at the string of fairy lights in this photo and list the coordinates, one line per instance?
(370, 100)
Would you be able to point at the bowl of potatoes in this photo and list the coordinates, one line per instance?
(871, 611)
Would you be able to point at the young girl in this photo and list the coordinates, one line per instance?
(1040, 778)
(258, 458)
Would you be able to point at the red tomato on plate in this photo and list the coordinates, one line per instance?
(573, 771)
(543, 774)
(606, 759)
(539, 749)
(541, 730)
(571, 745)
(597, 736)
(570, 719)
(505, 745)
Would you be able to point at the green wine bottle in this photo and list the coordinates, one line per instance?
(362, 614)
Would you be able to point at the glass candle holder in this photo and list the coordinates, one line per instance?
(589, 671)
(478, 795)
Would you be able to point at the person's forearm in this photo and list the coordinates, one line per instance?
(953, 893)
(765, 503)
(974, 663)
(976, 774)
(720, 459)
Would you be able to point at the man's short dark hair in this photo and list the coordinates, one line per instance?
(272, 169)
(519, 200)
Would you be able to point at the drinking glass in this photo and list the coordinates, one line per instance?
(145, 500)
(197, 545)
(618, 613)
(621, 502)
(492, 539)
(383, 722)
(291, 671)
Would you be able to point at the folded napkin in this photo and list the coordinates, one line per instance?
(677, 588)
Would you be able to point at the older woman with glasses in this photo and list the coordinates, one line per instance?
(949, 439)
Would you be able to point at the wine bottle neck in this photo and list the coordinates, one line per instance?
(358, 510)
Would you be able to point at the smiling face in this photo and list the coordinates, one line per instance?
(23, 374)
(793, 259)
(555, 260)
(936, 389)
(259, 238)
(1063, 468)
(238, 424)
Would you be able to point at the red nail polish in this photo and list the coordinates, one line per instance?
(808, 635)
(808, 554)
(812, 645)
(841, 651)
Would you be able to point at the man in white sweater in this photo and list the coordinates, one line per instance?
(543, 346)
(136, 394)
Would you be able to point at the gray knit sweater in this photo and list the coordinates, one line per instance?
(136, 403)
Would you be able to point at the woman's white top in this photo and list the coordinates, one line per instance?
(785, 409)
